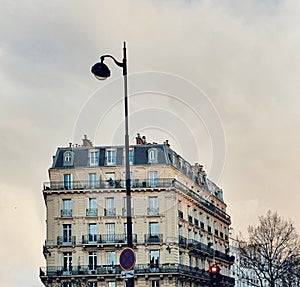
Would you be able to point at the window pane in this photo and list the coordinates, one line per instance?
(153, 179)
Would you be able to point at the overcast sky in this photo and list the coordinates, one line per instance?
(224, 89)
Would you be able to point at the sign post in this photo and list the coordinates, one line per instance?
(127, 261)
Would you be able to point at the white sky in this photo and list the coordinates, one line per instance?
(243, 56)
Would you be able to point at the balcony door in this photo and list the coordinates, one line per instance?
(92, 262)
(153, 178)
(92, 230)
(67, 234)
(67, 181)
(110, 232)
(67, 262)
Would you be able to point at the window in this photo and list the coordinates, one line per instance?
(154, 283)
(67, 181)
(68, 158)
(111, 284)
(67, 262)
(124, 178)
(152, 155)
(111, 261)
(92, 180)
(124, 208)
(180, 230)
(109, 206)
(153, 179)
(153, 228)
(110, 179)
(131, 156)
(92, 284)
(110, 232)
(67, 234)
(111, 258)
(154, 257)
(92, 231)
(153, 205)
(92, 258)
(94, 157)
(180, 258)
(66, 208)
(111, 156)
(92, 209)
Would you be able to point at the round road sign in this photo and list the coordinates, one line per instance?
(127, 258)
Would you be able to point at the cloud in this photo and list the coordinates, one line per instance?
(243, 54)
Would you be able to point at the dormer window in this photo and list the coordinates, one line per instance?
(68, 158)
(131, 156)
(152, 155)
(94, 157)
(111, 157)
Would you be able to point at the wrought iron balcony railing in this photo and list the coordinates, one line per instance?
(153, 211)
(66, 212)
(124, 211)
(153, 238)
(106, 238)
(66, 240)
(91, 211)
(109, 211)
(168, 268)
(138, 183)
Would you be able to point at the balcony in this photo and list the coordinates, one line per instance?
(85, 184)
(199, 246)
(106, 238)
(124, 211)
(153, 211)
(182, 241)
(138, 183)
(141, 269)
(66, 213)
(153, 238)
(224, 256)
(109, 211)
(92, 212)
(66, 240)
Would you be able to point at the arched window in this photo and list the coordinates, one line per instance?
(68, 158)
(152, 155)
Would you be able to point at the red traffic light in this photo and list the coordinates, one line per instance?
(214, 269)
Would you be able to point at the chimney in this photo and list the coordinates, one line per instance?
(144, 140)
(86, 141)
(138, 139)
(167, 143)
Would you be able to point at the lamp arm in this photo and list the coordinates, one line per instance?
(120, 64)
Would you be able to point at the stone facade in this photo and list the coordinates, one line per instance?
(180, 224)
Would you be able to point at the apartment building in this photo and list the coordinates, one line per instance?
(180, 224)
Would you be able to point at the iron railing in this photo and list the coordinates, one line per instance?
(91, 211)
(137, 183)
(106, 238)
(168, 268)
(199, 246)
(66, 212)
(66, 240)
(153, 238)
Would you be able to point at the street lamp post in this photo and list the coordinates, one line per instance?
(101, 72)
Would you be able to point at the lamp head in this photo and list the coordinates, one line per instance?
(100, 71)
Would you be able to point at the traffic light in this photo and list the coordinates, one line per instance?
(214, 272)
